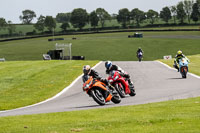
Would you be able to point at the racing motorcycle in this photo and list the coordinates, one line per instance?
(183, 67)
(121, 84)
(140, 55)
(98, 91)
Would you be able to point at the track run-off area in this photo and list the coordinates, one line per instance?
(153, 80)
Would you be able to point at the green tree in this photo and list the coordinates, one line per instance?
(181, 12)
(27, 16)
(3, 23)
(64, 26)
(188, 8)
(138, 16)
(40, 25)
(152, 15)
(63, 17)
(198, 4)
(114, 16)
(103, 16)
(165, 14)
(50, 23)
(11, 28)
(123, 17)
(79, 18)
(94, 19)
(174, 12)
(195, 13)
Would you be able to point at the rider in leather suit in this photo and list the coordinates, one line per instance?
(110, 67)
(91, 72)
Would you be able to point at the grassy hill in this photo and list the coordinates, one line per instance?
(23, 28)
(108, 46)
(27, 82)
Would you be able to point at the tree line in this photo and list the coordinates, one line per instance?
(79, 17)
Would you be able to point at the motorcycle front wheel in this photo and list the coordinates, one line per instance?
(97, 96)
(133, 93)
(184, 72)
(120, 90)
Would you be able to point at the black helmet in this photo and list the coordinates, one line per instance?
(108, 64)
(86, 69)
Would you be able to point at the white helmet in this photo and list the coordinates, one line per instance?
(86, 69)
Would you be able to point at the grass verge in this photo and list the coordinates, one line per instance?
(27, 82)
(164, 117)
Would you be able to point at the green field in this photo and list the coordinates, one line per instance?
(23, 29)
(178, 116)
(109, 46)
(24, 83)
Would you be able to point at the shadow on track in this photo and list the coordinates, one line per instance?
(92, 106)
(174, 78)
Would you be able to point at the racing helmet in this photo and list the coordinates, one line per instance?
(86, 69)
(179, 52)
(108, 64)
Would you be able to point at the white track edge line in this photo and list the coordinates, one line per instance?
(57, 95)
(194, 75)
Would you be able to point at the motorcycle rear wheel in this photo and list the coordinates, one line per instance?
(116, 99)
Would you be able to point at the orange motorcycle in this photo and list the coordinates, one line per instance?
(99, 92)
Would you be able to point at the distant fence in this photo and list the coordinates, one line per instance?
(94, 32)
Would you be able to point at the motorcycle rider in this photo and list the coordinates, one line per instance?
(91, 72)
(139, 50)
(178, 56)
(110, 67)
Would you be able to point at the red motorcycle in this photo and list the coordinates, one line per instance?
(121, 84)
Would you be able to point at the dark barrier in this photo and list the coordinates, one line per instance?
(78, 58)
(93, 32)
(55, 39)
(66, 57)
(74, 58)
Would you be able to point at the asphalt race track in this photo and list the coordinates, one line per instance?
(153, 81)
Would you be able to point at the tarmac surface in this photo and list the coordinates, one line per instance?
(153, 81)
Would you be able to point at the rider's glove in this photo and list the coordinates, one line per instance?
(127, 76)
(104, 81)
